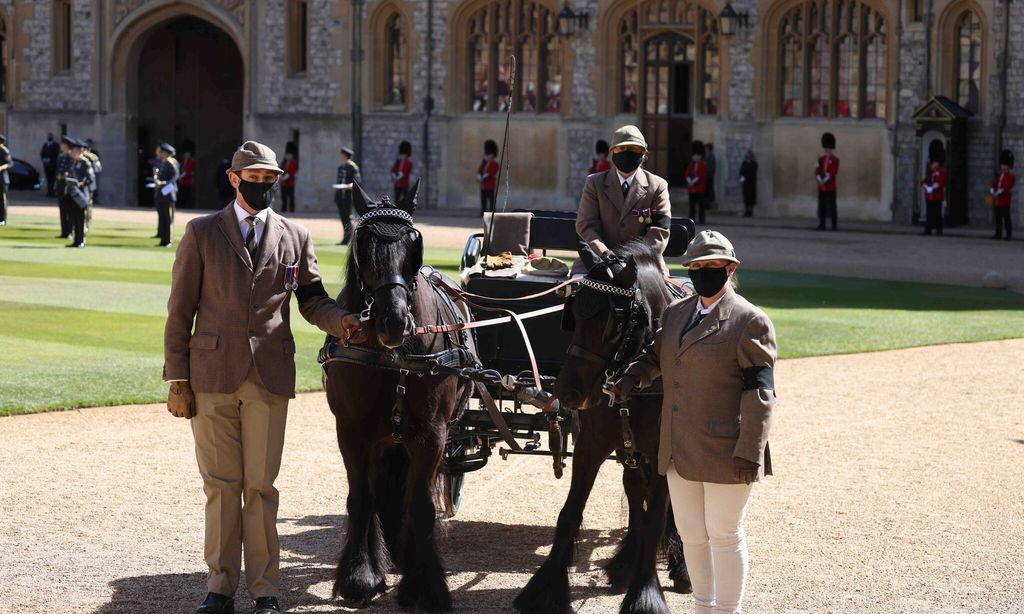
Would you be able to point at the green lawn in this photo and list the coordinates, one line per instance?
(84, 327)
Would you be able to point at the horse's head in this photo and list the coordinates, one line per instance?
(611, 314)
(383, 266)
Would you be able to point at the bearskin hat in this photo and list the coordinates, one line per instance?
(490, 147)
(601, 147)
(1006, 158)
(828, 141)
(937, 151)
(291, 148)
(405, 147)
(697, 148)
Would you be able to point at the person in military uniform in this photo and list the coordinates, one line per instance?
(1001, 191)
(64, 204)
(93, 157)
(934, 184)
(48, 155)
(825, 174)
(5, 179)
(623, 203)
(79, 185)
(599, 163)
(348, 176)
(487, 176)
(401, 170)
(696, 174)
(165, 191)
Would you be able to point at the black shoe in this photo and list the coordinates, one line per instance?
(63, 236)
(155, 237)
(217, 604)
(82, 244)
(267, 605)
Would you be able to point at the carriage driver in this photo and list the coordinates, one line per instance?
(624, 202)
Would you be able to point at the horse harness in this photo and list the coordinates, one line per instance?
(627, 322)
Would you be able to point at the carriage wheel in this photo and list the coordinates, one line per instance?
(454, 480)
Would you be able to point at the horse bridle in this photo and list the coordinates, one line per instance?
(633, 321)
(393, 214)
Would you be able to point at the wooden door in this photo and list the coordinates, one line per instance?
(669, 61)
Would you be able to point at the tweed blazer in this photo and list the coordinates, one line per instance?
(708, 415)
(224, 313)
(604, 219)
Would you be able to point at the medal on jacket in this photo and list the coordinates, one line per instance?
(291, 277)
(642, 215)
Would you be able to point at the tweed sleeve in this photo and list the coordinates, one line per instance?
(658, 234)
(588, 218)
(756, 354)
(182, 305)
(648, 367)
(315, 305)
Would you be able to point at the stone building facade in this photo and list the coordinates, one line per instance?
(373, 73)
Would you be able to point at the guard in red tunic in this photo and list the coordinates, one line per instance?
(401, 170)
(1002, 195)
(599, 163)
(825, 174)
(291, 169)
(487, 176)
(697, 181)
(934, 184)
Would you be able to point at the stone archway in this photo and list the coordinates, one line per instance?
(189, 93)
(178, 72)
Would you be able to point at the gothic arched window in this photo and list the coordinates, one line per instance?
(968, 62)
(832, 60)
(527, 29)
(396, 62)
(652, 33)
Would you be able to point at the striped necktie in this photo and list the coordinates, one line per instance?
(251, 244)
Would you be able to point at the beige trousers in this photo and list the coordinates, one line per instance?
(239, 439)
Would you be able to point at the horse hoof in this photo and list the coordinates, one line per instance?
(420, 593)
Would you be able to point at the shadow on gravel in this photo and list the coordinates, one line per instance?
(308, 557)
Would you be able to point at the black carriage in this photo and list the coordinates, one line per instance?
(509, 408)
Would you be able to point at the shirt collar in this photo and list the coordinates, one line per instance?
(241, 213)
(705, 311)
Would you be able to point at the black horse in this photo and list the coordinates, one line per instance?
(613, 315)
(391, 425)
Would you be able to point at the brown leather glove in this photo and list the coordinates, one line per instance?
(746, 471)
(181, 402)
(625, 386)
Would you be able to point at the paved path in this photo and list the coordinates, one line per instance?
(873, 251)
(898, 489)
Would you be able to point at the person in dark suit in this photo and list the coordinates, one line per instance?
(79, 184)
(623, 203)
(715, 355)
(165, 191)
(229, 356)
(48, 154)
(64, 204)
(748, 179)
(348, 176)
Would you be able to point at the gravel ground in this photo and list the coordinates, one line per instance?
(898, 490)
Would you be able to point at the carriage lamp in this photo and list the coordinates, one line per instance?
(729, 20)
(571, 22)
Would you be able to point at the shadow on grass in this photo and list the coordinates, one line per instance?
(308, 559)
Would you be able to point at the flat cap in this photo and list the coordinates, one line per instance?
(254, 156)
(168, 148)
(628, 135)
(709, 245)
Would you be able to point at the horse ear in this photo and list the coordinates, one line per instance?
(359, 199)
(626, 276)
(408, 203)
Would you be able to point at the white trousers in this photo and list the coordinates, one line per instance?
(710, 522)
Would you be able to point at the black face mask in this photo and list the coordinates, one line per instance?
(627, 161)
(258, 195)
(709, 281)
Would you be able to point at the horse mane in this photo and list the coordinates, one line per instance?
(648, 275)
